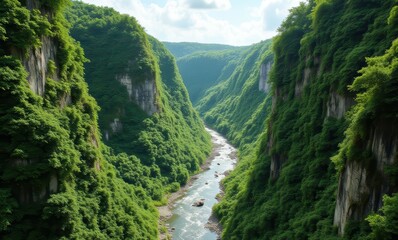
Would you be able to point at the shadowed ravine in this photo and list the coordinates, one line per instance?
(188, 221)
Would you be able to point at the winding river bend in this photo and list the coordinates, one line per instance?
(189, 222)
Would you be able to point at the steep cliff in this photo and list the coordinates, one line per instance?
(143, 94)
(290, 185)
(121, 69)
(368, 155)
(145, 108)
(236, 104)
(56, 180)
(263, 84)
(236, 107)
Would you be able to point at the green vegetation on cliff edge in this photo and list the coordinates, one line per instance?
(285, 187)
(170, 144)
(57, 179)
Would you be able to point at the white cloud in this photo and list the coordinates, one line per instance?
(189, 20)
(174, 13)
(208, 4)
(273, 12)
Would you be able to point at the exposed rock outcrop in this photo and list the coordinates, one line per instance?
(276, 165)
(277, 160)
(298, 89)
(125, 80)
(338, 105)
(145, 96)
(306, 77)
(30, 192)
(363, 184)
(264, 73)
(143, 93)
(36, 64)
(199, 203)
(116, 125)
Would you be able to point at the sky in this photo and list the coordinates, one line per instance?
(232, 22)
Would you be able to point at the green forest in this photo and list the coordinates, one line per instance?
(169, 144)
(101, 122)
(297, 155)
(58, 178)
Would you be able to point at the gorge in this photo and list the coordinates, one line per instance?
(98, 128)
(191, 222)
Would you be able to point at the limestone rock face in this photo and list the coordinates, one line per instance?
(30, 192)
(276, 166)
(143, 93)
(338, 105)
(298, 89)
(264, 73)
(116, 125)
(308, 73)
(145, 96)
(36, 64)
(352, 185)
(125, 80)
(363, 184)
(277, 160)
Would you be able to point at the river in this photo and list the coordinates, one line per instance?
(189, 221)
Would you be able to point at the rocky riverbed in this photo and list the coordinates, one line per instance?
(179, 216)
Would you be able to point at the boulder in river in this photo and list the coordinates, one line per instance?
(199, 203)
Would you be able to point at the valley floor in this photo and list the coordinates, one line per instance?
(178, 216)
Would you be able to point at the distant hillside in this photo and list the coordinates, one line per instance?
(182, 49)
(229, 88)
(204, 65)
(202, 70)
(237, 105)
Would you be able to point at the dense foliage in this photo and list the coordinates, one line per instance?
(202, 70)
(170, 144)
(235, 106)
(183, 49)
(377, 105)
(224, 85)
(288, 187)
(55, 178)
(115, 45)
(59, 181)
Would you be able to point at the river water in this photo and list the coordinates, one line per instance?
(189, 221)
